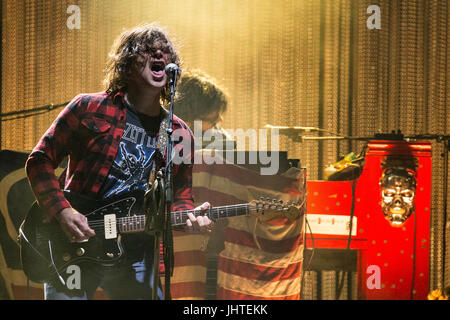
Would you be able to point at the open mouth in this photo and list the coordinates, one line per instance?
(397, 210)
(157, 69)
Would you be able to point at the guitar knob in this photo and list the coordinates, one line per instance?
(80, 252)
(66, 257)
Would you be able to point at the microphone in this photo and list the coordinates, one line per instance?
(171, 69)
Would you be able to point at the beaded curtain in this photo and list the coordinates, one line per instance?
(293, 63)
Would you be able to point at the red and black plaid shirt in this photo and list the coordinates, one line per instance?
(88, 131)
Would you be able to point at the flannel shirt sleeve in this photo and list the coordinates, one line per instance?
(47, 156)
(182, 181)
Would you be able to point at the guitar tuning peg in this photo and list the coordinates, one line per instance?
(274, 200)
(280, 201)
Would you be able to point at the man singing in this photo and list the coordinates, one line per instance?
(111, 139)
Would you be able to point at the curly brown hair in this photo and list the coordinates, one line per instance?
(199, 95)
(132, 43)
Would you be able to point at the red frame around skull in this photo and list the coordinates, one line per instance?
(393, 263)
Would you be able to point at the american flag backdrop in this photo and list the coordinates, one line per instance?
(257, 259)
(260, 259)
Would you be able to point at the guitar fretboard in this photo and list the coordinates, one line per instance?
(136, 223)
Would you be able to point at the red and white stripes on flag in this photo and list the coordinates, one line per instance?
(268, 268)
(189, 274)
(261, 260)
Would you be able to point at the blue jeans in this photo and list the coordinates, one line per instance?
(131, 279)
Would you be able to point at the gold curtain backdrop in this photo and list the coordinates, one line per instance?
(293, 63)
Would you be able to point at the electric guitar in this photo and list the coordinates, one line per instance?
(46, 252)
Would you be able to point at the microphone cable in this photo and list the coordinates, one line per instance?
(354, 183)
(310, 258)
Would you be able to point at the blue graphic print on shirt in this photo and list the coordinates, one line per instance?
(134, 160)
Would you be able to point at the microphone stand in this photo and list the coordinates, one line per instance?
(167, 235)
(154, 205)
(157, 206)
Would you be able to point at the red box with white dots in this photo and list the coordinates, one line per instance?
(393, 255)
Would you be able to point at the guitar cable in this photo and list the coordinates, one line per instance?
(53, 263)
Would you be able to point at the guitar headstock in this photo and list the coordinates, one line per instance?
(268, 209)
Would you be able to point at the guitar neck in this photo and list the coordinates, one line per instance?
(137, 223)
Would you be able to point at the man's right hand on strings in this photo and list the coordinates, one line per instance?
(74, 225)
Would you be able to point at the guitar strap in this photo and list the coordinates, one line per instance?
(161, 143)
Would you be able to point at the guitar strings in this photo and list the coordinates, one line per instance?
(183, 214)
(135, 220)
(99, 226)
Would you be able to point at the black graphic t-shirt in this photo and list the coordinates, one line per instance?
(134, 159)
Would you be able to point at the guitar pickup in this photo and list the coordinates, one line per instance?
(110, 226)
